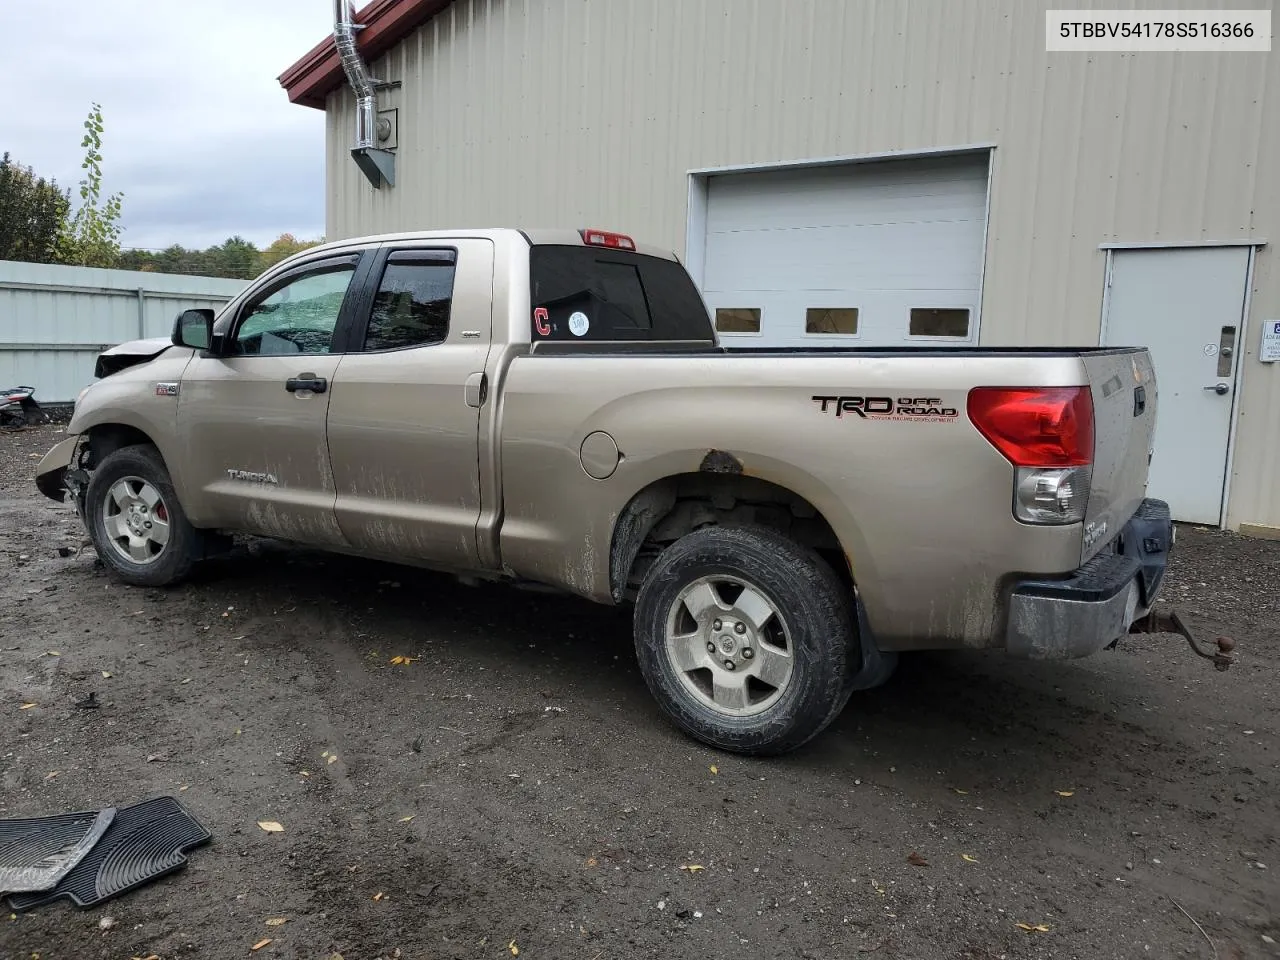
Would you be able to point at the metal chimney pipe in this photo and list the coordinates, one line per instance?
(344, 38)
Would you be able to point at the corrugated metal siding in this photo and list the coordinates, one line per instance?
(55, 319)
(574, 113)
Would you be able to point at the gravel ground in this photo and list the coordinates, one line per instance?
(514, 788)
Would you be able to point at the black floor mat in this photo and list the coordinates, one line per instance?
(143, 842)
(36, 853)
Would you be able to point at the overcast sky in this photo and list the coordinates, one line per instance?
(200, 137)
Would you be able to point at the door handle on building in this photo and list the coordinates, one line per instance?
(1221, 389)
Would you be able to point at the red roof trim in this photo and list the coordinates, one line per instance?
(386, 23)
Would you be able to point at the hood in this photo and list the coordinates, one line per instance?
(129, 354)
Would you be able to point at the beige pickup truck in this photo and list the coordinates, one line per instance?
(554, 408)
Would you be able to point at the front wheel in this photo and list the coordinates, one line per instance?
(746, 639)
(135, 521)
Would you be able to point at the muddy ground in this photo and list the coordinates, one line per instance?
(555, 813)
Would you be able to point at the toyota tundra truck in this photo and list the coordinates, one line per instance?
(553, 408)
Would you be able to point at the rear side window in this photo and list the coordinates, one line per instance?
(411, 308)
(590, 294)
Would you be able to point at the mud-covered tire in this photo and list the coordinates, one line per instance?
(804, 596)
(140, 470)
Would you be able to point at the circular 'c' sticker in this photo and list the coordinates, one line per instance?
(578, 323)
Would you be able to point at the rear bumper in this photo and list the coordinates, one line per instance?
(1095, 605)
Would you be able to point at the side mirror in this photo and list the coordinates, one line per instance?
(193, 328)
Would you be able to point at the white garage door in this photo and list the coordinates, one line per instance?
(869, 254)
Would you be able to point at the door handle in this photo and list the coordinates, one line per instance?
(1221, 389)
(308, 381)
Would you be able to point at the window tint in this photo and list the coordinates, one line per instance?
(411, 308)
(586, 293)
(738, 319)
(842, 320)
(939, 322)
(298, 316)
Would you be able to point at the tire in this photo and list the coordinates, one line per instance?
(787, 600)
(132, 486)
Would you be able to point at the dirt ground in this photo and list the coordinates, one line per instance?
(514, 788)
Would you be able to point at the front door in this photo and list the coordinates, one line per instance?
(253, 418)
(1186, 304)
(405, 417)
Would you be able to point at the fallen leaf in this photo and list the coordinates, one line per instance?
(515, 951)
(26, 706)
(325, 754)
(277, 921)
(187, 680)
(157, 758)
(406, 819)
(916, 860)
(185, 786)
(1033, 928)
(963, 793)
(968, 859)
(693, 867)
(306, 773)
(379, 895)
(714, 768)
(271, 826)
(237, 731)
(405, 661)
(591, 862)
(50, 775)
(1065, 793)
(261, 943)
(53, 653)
(106, 674)
(333, 758)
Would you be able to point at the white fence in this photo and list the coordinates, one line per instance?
(55, 319)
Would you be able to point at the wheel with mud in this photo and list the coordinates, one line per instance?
(746, 639)
(135, 521)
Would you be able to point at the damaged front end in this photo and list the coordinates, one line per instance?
(62, 472)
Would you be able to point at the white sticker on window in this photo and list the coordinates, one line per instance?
(578, 323)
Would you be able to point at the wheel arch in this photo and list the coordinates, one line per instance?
(719, 492)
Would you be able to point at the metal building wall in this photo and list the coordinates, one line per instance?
(588, 112)
(55, 319)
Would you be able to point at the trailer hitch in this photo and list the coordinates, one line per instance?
(1170, 621)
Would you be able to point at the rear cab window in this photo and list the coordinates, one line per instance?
(590, 294)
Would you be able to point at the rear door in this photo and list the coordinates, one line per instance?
(404, 420)
(253, 419)
(1124, 414)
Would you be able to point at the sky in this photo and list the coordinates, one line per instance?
(200, 136)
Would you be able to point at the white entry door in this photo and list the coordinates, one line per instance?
(1187, 305)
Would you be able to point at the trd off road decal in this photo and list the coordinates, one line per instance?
(919, 409)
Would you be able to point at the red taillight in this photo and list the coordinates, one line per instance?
(1036, 426)
(606, 238)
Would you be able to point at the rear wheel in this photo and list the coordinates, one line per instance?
(135, 521)
(746, 639)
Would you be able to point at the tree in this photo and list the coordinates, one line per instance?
(284, 246)
(32, 211)
(91, 237)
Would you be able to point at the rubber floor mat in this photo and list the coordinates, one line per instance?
(36, 853)
(143, 842)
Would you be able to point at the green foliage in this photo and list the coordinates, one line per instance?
(283, 247)
(91, 237)
(32, 211)
(235, 257)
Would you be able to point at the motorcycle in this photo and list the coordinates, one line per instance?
(18, 408)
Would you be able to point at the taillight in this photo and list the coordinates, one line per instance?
(1036, 426)
(1047, 433)
(606, 238)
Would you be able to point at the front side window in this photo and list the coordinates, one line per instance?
(297, 316)
(411, 308)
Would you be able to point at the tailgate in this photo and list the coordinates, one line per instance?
(1124, 412)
